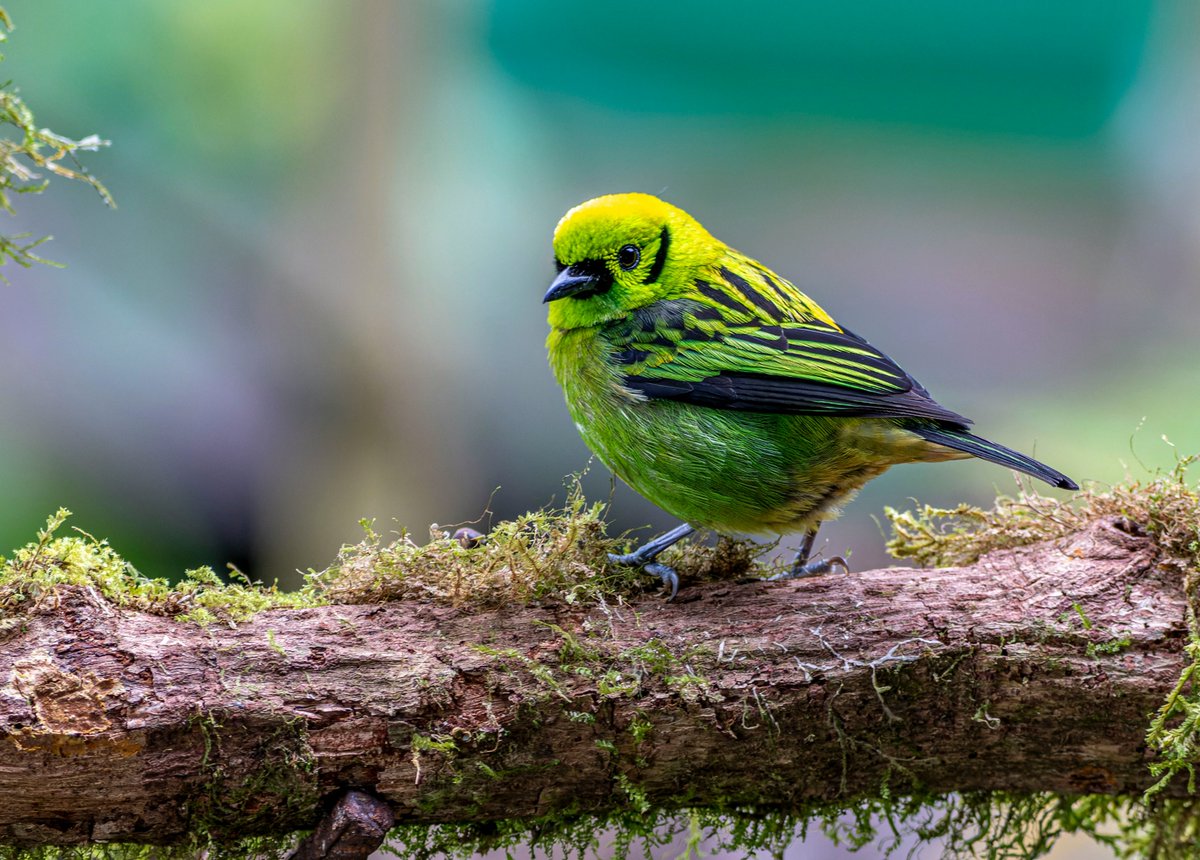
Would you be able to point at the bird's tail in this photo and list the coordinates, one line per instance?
(961, 440)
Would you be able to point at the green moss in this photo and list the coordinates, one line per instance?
(558, 554)
(488, 771)
(986, 826)
(1112, 646)
(1167, 508)
(441, 743)
(445, 747)
(572, 653)
(280, 786)
(992, 826)
(1175, 730)
(555, 553)
(33, 575)
(635, 795)
(640, 728)
(543, 674)
(615, 684)
(655, 660)
(727, 559)
(624, 675)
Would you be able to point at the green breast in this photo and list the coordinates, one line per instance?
(721, 469)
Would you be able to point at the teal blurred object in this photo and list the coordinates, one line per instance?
(1022, 67)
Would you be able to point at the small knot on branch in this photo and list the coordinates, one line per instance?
(352, 830)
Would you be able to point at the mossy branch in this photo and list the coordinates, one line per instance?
(487, 691)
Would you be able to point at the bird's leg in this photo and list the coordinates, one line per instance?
(802, 567)
(644, 556)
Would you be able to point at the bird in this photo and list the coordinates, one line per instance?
(722, 393)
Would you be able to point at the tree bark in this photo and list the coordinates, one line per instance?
(1034, 669)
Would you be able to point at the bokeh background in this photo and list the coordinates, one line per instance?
(319, 299)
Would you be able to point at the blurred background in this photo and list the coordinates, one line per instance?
(320, 298)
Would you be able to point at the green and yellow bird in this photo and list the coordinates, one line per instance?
(722, 393)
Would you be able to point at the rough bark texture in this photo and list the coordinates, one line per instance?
(116, 725)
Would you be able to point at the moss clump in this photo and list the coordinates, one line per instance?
(561, 553)
(1167, 508)
(34, 574)
(727, 559)
(558, 553)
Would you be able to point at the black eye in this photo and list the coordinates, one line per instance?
(628, 257)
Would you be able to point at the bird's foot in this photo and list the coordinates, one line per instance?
(670, 579)
(644, 556)
(812, 568)
(630, 559)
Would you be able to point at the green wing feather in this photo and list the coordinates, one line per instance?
(687, 350)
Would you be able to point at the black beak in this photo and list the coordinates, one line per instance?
(581, 280)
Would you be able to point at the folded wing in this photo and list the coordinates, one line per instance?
(808, 368)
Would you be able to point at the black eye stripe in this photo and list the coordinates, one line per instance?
(660, 259)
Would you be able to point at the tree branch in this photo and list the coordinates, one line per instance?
(1031, 670)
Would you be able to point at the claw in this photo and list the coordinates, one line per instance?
(644, 556)
(812, 568)
(666, 573)
(670, 579)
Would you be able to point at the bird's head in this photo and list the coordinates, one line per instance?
(621, 252)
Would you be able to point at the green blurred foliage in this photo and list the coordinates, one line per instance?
(245, 85)
(29, 150)
(1010, 66)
